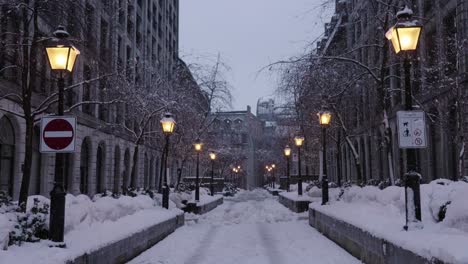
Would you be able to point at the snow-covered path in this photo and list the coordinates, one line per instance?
(250, 228)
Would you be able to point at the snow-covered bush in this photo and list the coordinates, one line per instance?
(442, 201)
(185, 187)
(230, 189)
(31, 226)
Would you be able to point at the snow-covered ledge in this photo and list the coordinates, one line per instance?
(368, 222)
(296, 203)
(361, 244)
(206, 204)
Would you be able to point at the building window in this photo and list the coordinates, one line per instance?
(84, 166)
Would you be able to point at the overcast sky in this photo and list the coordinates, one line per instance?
(249, 34)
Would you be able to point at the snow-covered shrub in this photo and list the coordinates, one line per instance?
(373, 182)
(5, 200)
(465, 179)
(230, 189)
(185, 187)
(32, 225)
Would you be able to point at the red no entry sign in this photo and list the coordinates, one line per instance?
(58, 134)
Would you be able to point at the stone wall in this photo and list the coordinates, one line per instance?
(295, 206)
(126, 249)
(203, 209)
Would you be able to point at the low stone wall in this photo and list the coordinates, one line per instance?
(361, 244)
(295, 206)
(274, 192)
(203, 209)
(126, 249)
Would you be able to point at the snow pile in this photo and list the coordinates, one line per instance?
(251, 207)
(434, 196)
(382, 213)
(90, 225)
(81, 209)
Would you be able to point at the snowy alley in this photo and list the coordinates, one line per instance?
(250, 228)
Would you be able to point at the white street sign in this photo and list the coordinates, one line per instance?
(58, 134)
(412, 129)
(295, 157)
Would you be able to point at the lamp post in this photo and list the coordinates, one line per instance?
(404, 36)
(62, 56)
(198, 147)
(212, 158)
(324, 120)
(273, 169)
(287, 154)
(299, 140)
(167, 124)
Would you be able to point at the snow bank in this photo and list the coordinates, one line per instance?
(251, 207)
(382, 213)
(89, 225)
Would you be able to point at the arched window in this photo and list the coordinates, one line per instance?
(216, 124)
(152, 176)
(7, 154)
(227, 124)
(84, 166)
(100, 160)
(126, 171)
(146, 172)
(117, 169)
(35, 183)
(238, 124)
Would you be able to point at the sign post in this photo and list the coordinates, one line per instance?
(58, 134)
(412, 129)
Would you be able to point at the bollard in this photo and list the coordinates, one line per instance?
(413, 200)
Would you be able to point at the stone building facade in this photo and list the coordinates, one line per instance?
(138, 38)
(237, 134)
(439, 81)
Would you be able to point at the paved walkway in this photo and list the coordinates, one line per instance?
(252, 228)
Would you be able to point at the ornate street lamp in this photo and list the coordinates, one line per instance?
(324, 120)
(168, 124)
(404, 36)
(299, 141)
(212, 158)
(62, 57)
(287, 154)
(198, 147)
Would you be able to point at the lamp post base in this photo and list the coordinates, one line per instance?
(57, 213)
(165, 196)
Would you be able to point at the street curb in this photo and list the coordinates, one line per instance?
(126, 249)
(363, 245)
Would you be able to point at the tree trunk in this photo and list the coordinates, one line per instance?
(389, 143)
(28, 54)
(24, 191)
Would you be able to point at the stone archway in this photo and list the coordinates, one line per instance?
(100, 166)
(117, 170)
(85, 165)
(36, 165)
(127, 169)
(146, 172)
(7, 154)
